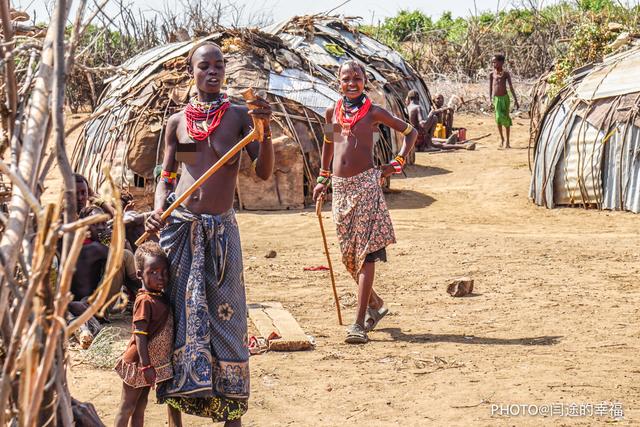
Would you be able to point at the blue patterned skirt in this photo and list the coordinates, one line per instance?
(206, 291)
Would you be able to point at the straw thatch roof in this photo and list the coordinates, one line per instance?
(587, 143)
(126, 130)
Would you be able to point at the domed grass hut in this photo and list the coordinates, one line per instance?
(587, 145)
(126, 129)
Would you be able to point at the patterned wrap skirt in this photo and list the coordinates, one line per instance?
(363, 223)
(207, 296)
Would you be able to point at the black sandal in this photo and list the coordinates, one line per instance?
(373, 316)
(356, 335)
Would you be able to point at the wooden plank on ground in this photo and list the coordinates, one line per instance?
(270, 317)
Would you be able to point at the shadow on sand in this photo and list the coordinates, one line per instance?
(419, 171)
(397, 335)
(408, 199)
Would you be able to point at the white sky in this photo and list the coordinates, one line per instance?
(370, 10)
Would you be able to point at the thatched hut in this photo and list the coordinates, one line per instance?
(126, 130)
(587, 145)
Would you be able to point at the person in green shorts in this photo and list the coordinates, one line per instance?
(498, 80)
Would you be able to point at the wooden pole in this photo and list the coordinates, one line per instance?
(256, 134)
(326, 251)
(10, 73)
(33, 141)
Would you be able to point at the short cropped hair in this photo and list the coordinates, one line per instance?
(355, 64)
(499, 57)
(88, 211)
(79, 178)
(413, 95)
(149, 248)
(198, 46)
(82, 178)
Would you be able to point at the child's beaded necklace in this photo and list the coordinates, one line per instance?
(348, 115)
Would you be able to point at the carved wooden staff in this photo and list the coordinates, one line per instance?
(326, 251)
(256, 134)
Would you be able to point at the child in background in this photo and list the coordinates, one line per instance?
(146, 361)
(498, 80)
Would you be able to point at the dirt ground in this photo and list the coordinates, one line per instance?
(551, 321)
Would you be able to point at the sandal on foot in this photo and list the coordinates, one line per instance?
(373, 316)
(356, 335)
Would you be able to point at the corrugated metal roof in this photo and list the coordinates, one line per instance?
(578, 172)
(301, 87)
(548, 151)
(632, 184)
(621, 171)
(616, 76)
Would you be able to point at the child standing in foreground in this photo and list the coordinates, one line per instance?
(146, 361)
(362, 219)
(498, 80)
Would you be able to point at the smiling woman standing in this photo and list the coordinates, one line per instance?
(202, 241)
(363, 223)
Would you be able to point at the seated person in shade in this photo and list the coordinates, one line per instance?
(90, 268)
(426, 124)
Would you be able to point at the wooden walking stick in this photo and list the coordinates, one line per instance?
(256, 134)
(326, 251)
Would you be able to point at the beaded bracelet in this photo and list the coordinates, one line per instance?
(398, 163)
(169, 177)
(407, 130)
(324, 178)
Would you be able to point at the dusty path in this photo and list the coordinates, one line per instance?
(553, 319)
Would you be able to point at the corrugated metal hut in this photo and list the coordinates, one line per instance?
(587, 145)
(126, 128)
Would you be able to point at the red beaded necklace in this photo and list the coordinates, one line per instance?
(198, 114)
(347, 118)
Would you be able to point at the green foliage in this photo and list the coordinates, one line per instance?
(588, 45)
(569, 34)
(453, 30)
(405, 24)
(596, 6)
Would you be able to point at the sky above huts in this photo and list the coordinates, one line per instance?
(371, 11)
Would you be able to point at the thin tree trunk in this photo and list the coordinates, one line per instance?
(58, 125)
(10, 72)
(33, 143)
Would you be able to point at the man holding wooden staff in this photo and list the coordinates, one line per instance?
(201, 238)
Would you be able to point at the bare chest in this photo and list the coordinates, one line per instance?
(220, 141)
(362, 132)
(499, 79)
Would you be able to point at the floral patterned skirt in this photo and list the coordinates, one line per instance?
(160, 346)
(362, 219)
